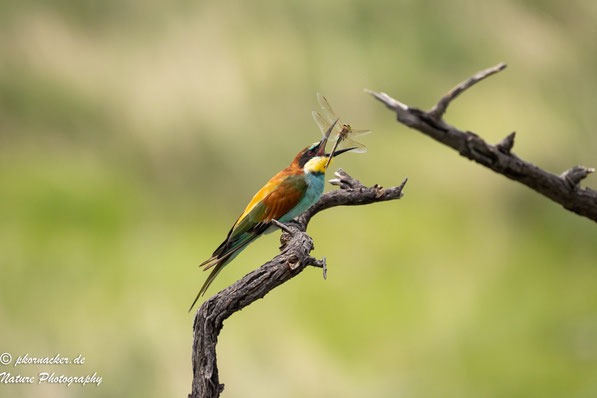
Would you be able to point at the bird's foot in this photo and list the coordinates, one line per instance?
(281, 226)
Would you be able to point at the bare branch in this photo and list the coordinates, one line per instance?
(292, 260)
(563, 189)
(440, 108)
(352, 193)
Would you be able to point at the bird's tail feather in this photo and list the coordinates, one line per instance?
(209, 260)
(226, 249)
(219, 263)
(218, 260)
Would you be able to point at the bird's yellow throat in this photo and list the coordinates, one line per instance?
(316, 165)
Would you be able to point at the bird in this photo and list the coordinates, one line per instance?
(285, 196)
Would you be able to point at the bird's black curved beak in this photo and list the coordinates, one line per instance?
(340, 151)
(324, 140)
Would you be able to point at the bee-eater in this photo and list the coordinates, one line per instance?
(285, 196)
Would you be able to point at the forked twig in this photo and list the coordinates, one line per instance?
(564, 188)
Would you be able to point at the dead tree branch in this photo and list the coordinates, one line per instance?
(564, 189)
(292, 260)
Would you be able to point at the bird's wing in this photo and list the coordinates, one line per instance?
(286, 193)
(267, 189)
(248, 219)
(276, 198)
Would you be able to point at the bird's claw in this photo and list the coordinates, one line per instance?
(281, 226)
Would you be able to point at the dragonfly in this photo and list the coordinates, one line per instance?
(341, 133)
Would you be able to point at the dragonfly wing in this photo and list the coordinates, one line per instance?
(328, 113)
(349, 143)
(320, 122)
(324, 125)
(326, 108)
(359, 133)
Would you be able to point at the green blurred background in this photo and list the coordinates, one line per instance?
(133, 133)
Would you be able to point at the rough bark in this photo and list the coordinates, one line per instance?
(292, 260)
(564, 188)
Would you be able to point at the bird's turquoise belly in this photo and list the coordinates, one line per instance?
(315, 183)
